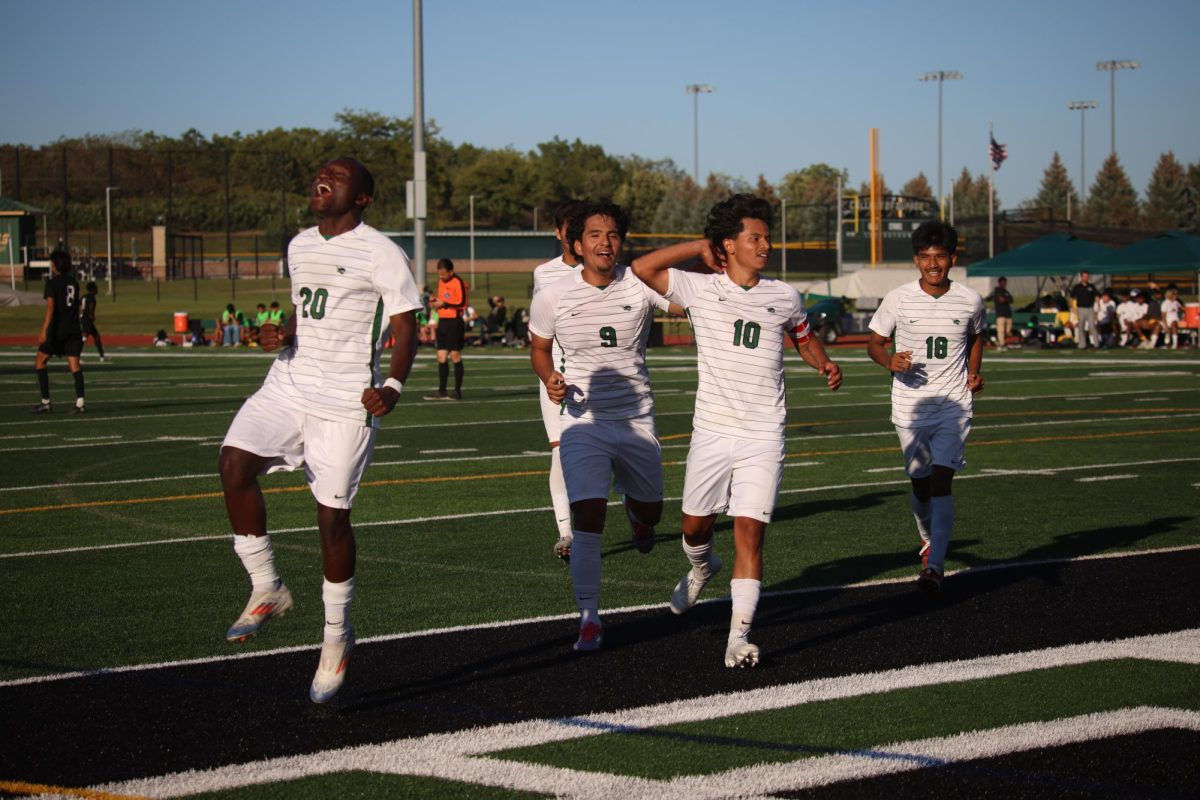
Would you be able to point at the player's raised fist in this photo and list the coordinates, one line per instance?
(556, 387)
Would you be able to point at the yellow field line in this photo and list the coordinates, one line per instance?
(532, 472)
(18, 787)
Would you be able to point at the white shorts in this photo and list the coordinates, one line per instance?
(724, 472)
(592, 450)
(943, 444)
(551, 414)
(334, 454)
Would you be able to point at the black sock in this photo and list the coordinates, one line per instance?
(78, 376)
(44, 383)
(443, 376)
(458, 372)
(99, 344)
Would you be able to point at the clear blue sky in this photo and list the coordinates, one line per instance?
(797, 82)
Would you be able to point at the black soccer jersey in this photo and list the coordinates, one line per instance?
(64, 290)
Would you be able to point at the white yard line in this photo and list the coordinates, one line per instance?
(1095, 478)
(539, 509)
(608, 612)
(455, 756)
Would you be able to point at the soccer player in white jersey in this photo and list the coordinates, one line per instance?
(321, 401)
(543, 275)
(938, 328)
(742, 323)
(600, 317)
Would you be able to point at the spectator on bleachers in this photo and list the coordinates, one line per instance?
(231, 331)
(1149, 326)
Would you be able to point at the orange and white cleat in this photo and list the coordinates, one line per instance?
(262, 607)
(331, 669)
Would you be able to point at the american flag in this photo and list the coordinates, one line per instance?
(998, 153)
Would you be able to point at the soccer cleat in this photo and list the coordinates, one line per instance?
(924, 554)
(262, 607)
(331, 669)
(687, 591)
(562, 548)
(740, 652)
(591, 635)
(80, 408)
(930, 581)
(642, 534)
(439, 396)
(41, 408)
(457, 395)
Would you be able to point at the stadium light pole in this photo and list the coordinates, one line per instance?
(695, 90)
(1111, 68)
(1082, 107)
(941, 76)
(418, 145)
(108, 190)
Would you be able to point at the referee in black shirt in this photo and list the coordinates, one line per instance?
(61, 334)
(1083, 297)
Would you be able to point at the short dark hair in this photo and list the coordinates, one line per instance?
(230, 308)
(1002, 278)
(934, 233)
(725, 219)
(260, 305)
(364, 175)
(92, 287)
(566, 211)
(600, 208)
(446, 264)
(274, 304)
(61, 260)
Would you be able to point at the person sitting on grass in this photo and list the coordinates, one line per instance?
(231, 331)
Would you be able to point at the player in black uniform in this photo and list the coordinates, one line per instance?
(87, 319)
(61, 334)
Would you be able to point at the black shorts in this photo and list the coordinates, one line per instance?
(88, 329)
(72, 346)
(450, 333)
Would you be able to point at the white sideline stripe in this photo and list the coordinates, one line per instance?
(500, 512)
(230, 413)
(914, 755)
(96, 441)
(450, 450)
(451, 753)
(1147, 399)
(29, 436)
(573, 615)
(899, 469)
(1096, 478)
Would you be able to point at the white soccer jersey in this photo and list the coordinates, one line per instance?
(740, 338)
(549, 273)
(344, 289)
(1171, 310)
(936, 331)
(603, 333)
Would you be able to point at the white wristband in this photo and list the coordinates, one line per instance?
(392, 383)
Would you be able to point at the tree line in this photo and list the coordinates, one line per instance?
(258, 182)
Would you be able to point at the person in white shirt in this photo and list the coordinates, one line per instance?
(938, 328)
(743, 322)
(320, 404)
(1129, 311)
(1172, 313)
(544, 275)
(601, 318)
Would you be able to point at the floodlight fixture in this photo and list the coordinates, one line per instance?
(941, 76)
(695, 90)
(1111, 68)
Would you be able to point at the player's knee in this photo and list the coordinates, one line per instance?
(588, 515)
(649, 512)
(235, 467)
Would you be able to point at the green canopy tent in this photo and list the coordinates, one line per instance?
(1164, 253)
(1053, 255)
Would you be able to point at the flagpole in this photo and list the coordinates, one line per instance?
(991, 195)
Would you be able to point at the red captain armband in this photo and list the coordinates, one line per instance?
(802, 333)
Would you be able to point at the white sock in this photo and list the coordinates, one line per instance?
(942, 525)
(698, 555)
(920, 509)
(259, 560)
(745, 592)
(558, 494)
(337, 598)
(585, 570)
